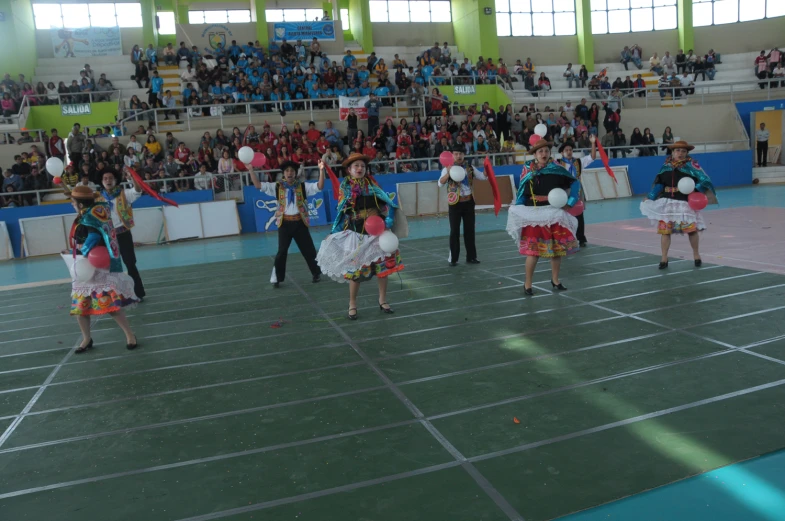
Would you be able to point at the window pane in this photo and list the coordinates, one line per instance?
(502, 6)
(752, 10)
(502, 24)
(102, 15)
(563, 5)
(440, 12)
(701, 15)
(599, 22)
(726, 11)
(314, 14)
(658, 3)
(166, 22)
(129, 15)
(344, 15)
(47, 16)
(775, 8)
(640, 3)
(399, 11)
(542, 6)
(521, 24)
(618, 4)
(665, 18)
(378, 10)
(543, 24)
(564, 23)
(294, 15)
(273, 15)
(641, 20)
(520, 6)
(215, 17)
(419, 11)
(239, 16)
(619, 21)
(598, 5)
(76, 16)
(196, 17)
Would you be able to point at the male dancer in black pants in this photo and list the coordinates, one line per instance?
(575, 167)
(292, 217)
(120, 201)
(461, 203)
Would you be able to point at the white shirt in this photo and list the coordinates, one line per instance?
(762, 135)
(291, 208)
(585, 160)
(131, 195)
(202, 181)
(465, 188)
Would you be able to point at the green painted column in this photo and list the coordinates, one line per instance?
(347, 31)
(149, 30)
(17, 38)
(475, 31)
(360, 24)
(686, 29)
(181, 9)
(262, 34)
(585, 37)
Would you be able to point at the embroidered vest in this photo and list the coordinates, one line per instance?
(578, 171)
(299, 199)
(454, 189)
(124, 209)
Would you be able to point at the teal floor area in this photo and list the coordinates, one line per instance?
(22, 271)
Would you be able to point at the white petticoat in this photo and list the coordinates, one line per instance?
(105, 281)
(520, 216)
(671, 210)
(347, 252)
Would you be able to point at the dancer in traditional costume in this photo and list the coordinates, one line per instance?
(460, 200)
(575, 167)
(539, 229)
(291, 217)
(669, 208)
(107, 291)
(349, 253)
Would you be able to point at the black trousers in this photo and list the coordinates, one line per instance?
(462, 211)
(581, 229)
(298, 231)
(763, 153)
(126, 243)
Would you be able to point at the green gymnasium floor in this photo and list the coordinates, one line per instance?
(473, 402)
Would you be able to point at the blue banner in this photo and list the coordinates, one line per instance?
(265, 207)
(293, 31)
(88, 41)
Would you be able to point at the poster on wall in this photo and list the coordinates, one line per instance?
(293, 31)
(346, 103)
(87, 41)
(265, 207)
(209, 37)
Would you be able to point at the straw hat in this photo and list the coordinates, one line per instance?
(354, 157)
(681, 144)
(81, 192)
(540, 144)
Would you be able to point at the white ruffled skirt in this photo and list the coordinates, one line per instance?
(673, 211)
(542, 231)
(350, 256)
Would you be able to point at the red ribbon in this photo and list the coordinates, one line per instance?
(604, 158)
(334, 181)
(497, 200)
(149, 191)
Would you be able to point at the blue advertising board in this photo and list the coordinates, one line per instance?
(292, 31)
(265, 207)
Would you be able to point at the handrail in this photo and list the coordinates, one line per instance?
(29, 131)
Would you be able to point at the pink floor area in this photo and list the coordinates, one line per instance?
(752, 237)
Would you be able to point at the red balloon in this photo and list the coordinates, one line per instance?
(577, 209)
(446, 159)
(534, 139)
(99, 257)
(374, 225)
(259, 160)
(57, 180)
(697, 201)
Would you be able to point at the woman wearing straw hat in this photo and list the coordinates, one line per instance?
(107, 291)
(668, 207)
(539, 229)
(349, 253)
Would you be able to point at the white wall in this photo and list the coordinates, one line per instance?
(543, 50)
(130, 36)
(411, 34)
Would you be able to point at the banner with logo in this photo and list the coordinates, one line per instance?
(209, 37)
(265, 207)
(293, 31)
(87, 41)
(346, 103)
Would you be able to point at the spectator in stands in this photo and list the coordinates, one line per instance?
(688, 85)
(664, 86)
(8, 107)
(569, 74)
(668, 63)
(699, 68)
(667, 139)
(655, 65)
(543, 83)
(778, 72)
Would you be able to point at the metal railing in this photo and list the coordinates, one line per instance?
(37, 134)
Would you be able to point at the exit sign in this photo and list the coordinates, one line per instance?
(488, 10)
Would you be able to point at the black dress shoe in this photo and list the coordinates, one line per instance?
(698, 263)
(316, 278)
(131, 347)
(472, 261)
(528, 291)
(276, 285)
(558, 286)
(387, 309)
(89, 345)
(352, 316)
(663, 265)
(453, 264)
(582, 244)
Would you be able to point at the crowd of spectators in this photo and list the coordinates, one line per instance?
(769, 67)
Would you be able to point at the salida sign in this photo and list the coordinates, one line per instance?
(76, 109)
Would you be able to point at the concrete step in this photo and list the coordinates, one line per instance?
(769, 174)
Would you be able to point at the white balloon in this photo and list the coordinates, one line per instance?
(54, 165)
(541, 130)
(245, 155)
(388, 242)
(686, 185)
(80, 268)
(557, 197)
(457, 173)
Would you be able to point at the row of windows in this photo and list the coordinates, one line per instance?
(535, 18)
(293, 15)
(49, 16)
(410, 11)
(234, 16)
(708, 12)
(624, 16)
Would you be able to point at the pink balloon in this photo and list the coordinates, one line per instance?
(697, 201)
(374, 225)
(576, 210)
(259, 160)
(534, 139)
(446, 159)
(99, 257)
